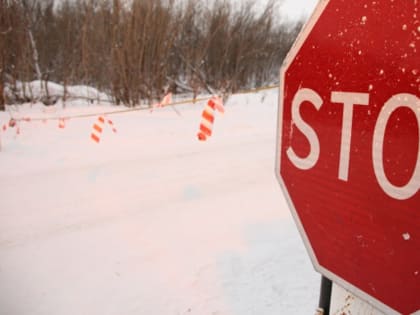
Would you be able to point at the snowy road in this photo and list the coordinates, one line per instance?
(150, 221)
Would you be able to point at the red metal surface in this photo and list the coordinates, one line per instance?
(362, 235)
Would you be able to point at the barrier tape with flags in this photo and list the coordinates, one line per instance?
(213, 103)
(134, 109)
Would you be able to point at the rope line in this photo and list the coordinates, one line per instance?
(134, 109)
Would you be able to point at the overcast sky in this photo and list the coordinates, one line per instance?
(292, 9)
(296, 8)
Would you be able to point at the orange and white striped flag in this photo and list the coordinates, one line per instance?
(167, 99)
(111, 124)
(61, 123)
(12, 122)
(98, 127)
(207, 117)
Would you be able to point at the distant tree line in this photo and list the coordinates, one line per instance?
(137, 50)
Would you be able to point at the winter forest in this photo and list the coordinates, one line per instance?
(137, 51)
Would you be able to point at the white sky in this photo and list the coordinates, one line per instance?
(296, 8)
(292, 9)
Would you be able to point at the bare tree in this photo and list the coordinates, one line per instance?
(137, 50)
(28, 7)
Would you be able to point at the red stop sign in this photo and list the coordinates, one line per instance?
(348, 147)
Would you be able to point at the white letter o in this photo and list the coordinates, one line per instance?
(410, 189)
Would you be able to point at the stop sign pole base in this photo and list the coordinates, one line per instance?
(333, 299)
(324, 297)
(344, 302)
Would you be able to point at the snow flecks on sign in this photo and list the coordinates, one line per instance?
(404, 27)
(363, 20)
(381, 72)
(406, 236)
(372, 287)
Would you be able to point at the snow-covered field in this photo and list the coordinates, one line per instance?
(149, 221)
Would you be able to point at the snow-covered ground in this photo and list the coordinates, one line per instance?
(150, 220)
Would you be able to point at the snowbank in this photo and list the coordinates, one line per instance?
(150, 220)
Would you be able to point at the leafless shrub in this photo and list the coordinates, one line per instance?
(13, 45)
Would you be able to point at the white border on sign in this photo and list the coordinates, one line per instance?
(287, 61)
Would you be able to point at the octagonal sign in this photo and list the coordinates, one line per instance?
(348, 152)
